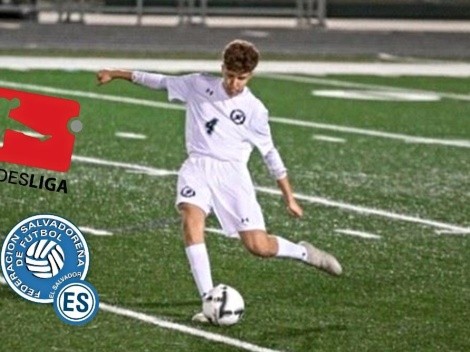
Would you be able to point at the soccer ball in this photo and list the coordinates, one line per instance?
(223, 305)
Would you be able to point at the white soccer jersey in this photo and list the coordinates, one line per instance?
(217, 125)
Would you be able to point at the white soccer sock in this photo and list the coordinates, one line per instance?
(200, 267)
(288, 249)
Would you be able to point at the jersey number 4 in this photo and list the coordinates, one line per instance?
(210, 125)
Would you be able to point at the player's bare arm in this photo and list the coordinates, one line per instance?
(292, 206)
(106, 76)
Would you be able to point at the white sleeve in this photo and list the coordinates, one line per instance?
(150, 80)
(262, 139)
(275, 165)
(178, 87)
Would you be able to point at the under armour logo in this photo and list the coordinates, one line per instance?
(245, 220)
(237, 116)
(209, 91)
(187, 192)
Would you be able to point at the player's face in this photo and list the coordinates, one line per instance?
(234, 82)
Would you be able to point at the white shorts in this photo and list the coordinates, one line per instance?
(224, 188)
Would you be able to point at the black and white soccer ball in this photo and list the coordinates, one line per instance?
(223, 305)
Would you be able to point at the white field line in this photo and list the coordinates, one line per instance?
(283, 120)
(214, 230)
(95, 232)
(183, 328)
(130, 135)
(378, 95)
(146, 169)
(33, 134)
(222, 232)
(368, 211)
(347, 84)
(451, 232)
(318, 200)
(373, 133)
(357, 233)
(107, 97)
(165, 324)
(441, 69)
(320, 137)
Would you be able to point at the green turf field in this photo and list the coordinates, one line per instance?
(402, 175)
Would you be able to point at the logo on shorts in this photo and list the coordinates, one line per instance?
(187, 192)
(42, 252)
(237, 116)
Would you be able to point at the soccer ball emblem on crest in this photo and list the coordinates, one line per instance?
(45, 258)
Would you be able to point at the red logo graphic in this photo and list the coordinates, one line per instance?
(50, 143)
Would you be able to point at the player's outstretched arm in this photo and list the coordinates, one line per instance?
(106, 76)
(292, 206)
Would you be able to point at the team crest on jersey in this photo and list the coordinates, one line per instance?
(237, 116)
(187, 192)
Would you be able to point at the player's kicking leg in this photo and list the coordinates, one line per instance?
(260, 243)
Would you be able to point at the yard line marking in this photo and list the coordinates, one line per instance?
(134, 167)
(130, 135)
(373, 133)
(32, 134)
(320, 137)
(214, 230)
(222, 232)
(452, 232)
(365, 210)
(349, 84)
(165, 324)
(311, 199)
(319, 68)
(377, 95)
(93, 231)
(283, 120)
(77, 93)
(357, 233)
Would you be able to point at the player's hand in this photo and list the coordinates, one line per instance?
(104, 76)
(294, 209)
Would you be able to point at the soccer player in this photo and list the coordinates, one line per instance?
(224, 122)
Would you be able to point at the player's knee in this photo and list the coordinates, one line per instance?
(193, 222)
(191, 237)
(258, 243)
(191, 215)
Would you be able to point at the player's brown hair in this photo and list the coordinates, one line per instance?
(240, 56)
